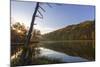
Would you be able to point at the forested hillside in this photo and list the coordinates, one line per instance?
(82, 31)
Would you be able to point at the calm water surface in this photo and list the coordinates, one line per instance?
(59, 56)
(65, 51)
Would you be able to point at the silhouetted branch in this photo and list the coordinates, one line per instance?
(40, 13)
(39, 16)
(42, 9)
(49, 5)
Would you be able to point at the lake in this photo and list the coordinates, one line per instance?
(65, 51)
(51, 54)
(76, 48)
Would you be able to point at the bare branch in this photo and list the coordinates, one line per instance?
(49, 5)
(39, 16)
(40, 13)
(42, 9)
(59, 4)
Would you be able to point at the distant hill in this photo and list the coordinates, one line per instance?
(82, 31)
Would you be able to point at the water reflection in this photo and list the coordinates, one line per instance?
(85, 49)
(64, 51)
(16, 55)
(51, 54)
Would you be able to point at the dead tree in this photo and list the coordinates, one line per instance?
(27, 52)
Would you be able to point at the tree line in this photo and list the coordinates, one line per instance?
(82, 31)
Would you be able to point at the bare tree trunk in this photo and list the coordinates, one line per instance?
(31, 25)
(27, 53)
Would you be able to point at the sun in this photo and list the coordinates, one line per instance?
(19, 31)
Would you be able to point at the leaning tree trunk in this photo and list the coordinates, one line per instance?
(27, 52)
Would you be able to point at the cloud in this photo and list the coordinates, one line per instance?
(44, 29)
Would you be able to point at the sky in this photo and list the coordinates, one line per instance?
(54, 18)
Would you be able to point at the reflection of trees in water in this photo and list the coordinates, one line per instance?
(32, 53)
(29, 54)
(83, 49)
